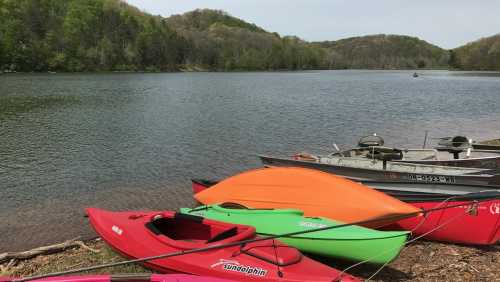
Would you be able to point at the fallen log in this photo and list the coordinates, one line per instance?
(9, 256)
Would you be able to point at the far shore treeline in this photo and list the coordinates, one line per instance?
(110, 35)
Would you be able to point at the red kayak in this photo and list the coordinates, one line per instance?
(143, 234)
(479, 227)
(126, 278)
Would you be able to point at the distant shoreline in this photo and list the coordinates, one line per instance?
(239, 71)
(78, 38)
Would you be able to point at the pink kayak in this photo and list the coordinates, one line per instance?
(127, 278)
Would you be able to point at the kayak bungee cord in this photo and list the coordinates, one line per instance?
(472, 207)
(243, 242)
(280, 274)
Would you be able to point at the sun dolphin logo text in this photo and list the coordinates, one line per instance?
(312, 224)
(233, 265)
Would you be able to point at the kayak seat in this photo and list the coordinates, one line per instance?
(233, 231)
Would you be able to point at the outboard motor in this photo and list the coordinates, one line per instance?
(455, 145)
(370, 141)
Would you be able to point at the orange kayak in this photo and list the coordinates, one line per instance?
(314, 192)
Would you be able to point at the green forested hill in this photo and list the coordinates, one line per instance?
(483, 54)
(110, 35)
(74, 35)
(101, 35)
(218, 41)
(385, 52)
(202, 20)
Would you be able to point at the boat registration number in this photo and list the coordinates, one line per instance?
(431, 178)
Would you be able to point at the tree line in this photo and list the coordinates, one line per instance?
(110, 35)
(385, 52)
(483, 54)
(73, 35)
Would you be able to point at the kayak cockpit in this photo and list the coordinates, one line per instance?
(189, 231)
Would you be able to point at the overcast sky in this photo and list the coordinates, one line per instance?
(446, 23)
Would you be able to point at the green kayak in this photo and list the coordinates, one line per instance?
(351, 242)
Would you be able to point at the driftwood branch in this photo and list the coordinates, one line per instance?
(9, 256)
(5, 269)
(82, 245)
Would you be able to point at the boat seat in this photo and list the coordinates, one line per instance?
(233, 231)
(385, 154)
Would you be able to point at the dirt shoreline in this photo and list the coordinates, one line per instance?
(420, 261)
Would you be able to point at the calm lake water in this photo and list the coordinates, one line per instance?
(133, 141)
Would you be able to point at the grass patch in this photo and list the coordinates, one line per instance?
(72, 259)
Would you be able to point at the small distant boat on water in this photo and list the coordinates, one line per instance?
(140, 234)
(126, 278)
(351, 242)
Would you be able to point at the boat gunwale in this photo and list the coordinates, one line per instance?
(448, 170)
(485, 176)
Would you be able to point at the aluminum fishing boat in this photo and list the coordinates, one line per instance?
(363, 169)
